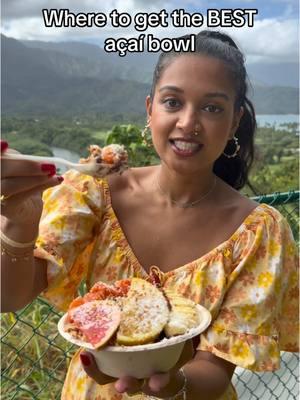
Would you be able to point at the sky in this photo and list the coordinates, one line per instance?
(274, 38)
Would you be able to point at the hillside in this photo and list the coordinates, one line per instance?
(33, 83)
(78, 78)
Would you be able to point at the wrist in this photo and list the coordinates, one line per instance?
(16, 251)
(22, 233)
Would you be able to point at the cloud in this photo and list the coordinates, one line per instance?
(20, 9)
(270, 40)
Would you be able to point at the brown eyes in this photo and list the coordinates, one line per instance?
(213, 109)
(174, 104)
(171, 103)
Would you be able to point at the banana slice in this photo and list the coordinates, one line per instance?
(183, 315)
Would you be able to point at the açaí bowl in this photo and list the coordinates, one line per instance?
(143, 360)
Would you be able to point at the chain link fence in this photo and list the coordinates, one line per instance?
(35, 358)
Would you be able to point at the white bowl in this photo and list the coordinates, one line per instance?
(143, 360)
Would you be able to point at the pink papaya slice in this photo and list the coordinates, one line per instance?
(97, 321)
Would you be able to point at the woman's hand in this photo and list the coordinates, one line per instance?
(22, 183)
(160, 384)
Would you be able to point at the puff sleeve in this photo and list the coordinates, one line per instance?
(72, 214)
(259, 314)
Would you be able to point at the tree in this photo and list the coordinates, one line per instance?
(130, 136)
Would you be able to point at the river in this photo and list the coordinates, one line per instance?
(66, 155)
(277, 120)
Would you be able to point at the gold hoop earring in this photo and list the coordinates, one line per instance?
(237, 148)
(146, 135)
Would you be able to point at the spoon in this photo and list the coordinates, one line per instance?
(92, 168)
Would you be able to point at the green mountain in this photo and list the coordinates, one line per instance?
(33, 83)
(136, 67)
(41, 78)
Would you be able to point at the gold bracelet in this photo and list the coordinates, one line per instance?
(15, 257)
(17, 245)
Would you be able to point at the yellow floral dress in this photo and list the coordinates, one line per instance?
(249, 282)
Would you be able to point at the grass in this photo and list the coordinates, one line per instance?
(287, 158)
(34, 356)
(99, 135)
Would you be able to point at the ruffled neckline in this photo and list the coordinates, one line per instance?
(122, 242)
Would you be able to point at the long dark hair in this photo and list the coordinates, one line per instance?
(215, 44)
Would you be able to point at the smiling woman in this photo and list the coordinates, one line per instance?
(216, 95)
(182, 224)
(194, 93)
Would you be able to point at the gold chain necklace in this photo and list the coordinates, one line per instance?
(191, 204)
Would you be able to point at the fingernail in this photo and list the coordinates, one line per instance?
(4, 145)
(60, 178)
(85, 360)
(50, 168)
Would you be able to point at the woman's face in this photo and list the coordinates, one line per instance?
(195, 92)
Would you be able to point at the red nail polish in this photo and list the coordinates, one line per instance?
(4, 145)
(50, 168)
(85, 360)
(60, 178)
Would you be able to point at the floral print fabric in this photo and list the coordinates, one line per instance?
(248, 283)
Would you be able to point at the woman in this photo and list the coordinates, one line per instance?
(185, 216)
